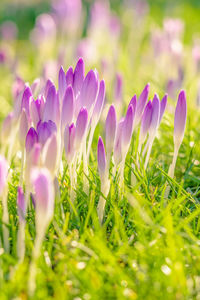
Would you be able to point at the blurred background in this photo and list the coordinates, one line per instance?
(130, 42)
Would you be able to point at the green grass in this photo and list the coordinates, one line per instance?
(148, 246)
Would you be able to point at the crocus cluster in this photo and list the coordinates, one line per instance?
(51, 129)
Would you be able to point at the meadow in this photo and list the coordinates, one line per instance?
(99, 151)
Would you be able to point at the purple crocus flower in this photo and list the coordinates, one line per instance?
(69, 139)
(50, 153)
(26, 100)
(3, 173)
(163, 105)
(21, 205)
(70, 76)
(62, 84)
(89, 90)
(44, 196)
(141, 103)
(34, 113)
(111, 123)
(31, 139)
(48, 84)
(79, 72)
(101, 157)
(52, 106)
(180, 118)
(35, 86)
(155, 115)
(45, 130)
(68, 106)
(81, 125)
(145, 122)
(127, 130)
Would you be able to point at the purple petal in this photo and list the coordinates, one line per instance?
(79, 72)
(45, 130)
(89, 90)
(31, 139)
(146, 121)
(26, 100)
(62, 84)
(180, 118)
(155, 115)
(50, 152)
(81, 125)
(111, 123)
(70, 76)
(35, 86)
(34, 113)
(127, 129)
(49, 84)
(68, 106)
(44, 193)
(141, 103)
(52, 107)
(101, 157)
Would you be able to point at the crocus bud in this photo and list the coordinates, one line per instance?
(155, 116)
(3, 173)
(81, 125)
(111, 123)
(163, 104)
(101, 157)
(180, 118)
(89, 90)
(127, 130)
(23, 128)
(141, 103)
(133, 102)
(79, 72)
(70, 76)
(31, 139)
(35, 86)
(145, 122)
(7, 126)
(50, 152)
(67, 107)
(44, 196)
(34, 113)
(21, 205)
(45, 130)
(26, 100)
(62, 85)
(48, 84)
(99, 103)
(52, 107)
(118, 143)
(40, 103)
(69, 138)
